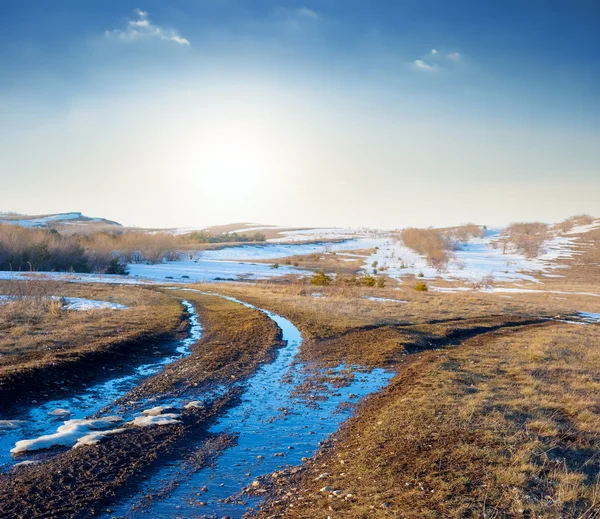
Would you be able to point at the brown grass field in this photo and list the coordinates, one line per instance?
(40, 343)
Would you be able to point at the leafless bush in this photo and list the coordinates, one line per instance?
(526, 238)
(430, 243)
(464, 233)
(484, 283)
(569, 223)
(437, 245)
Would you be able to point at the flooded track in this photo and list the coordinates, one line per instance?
(44, 419)
(275, 427)
(284, 412)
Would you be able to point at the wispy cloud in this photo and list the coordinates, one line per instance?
(305, 11)
(141, 27)
(419, 64)
(435, 61)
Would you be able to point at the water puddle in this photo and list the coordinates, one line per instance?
(47, 417)
(276, 425)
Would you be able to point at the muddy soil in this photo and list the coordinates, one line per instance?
(84, 481)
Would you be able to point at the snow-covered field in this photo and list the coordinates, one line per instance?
(331, 233)
(477, 259)
(180, 271)
(285, 250)
(206, 270)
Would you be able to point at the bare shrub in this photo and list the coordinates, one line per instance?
(526, 238)
(464, 233)
(437, 245)
(430, 243)
(485, 282)
(569, 223)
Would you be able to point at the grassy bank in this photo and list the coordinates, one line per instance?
(506, 425)
(41, 344)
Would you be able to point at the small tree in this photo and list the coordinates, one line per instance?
(116, 267)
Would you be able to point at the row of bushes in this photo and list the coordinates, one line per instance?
(321, 278)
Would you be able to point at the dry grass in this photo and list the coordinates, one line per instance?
(235, 340)
(506, 425)
(35, 333)
(342, 307)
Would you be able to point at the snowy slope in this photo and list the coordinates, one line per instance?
(48, 220)
(478, 259)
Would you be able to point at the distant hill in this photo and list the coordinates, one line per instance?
(59, 221)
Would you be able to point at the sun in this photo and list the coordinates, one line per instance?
(232, 165)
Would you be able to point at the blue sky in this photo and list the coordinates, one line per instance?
(379, 113)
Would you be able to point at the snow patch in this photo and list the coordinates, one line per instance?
(83, 305)
(75, 303)
(67, 434)
(161, 419)
(94, 438)
(155, 411)
(383, 299)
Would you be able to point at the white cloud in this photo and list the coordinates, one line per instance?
(142, 27)
(305, 11)
(434, 51)
(419, 64)
(454, 56)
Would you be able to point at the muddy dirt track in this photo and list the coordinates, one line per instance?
(235, 405)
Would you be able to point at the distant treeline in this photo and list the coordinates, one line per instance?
(26, 249)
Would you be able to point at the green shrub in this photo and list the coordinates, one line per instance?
(275, 266)
(320, 279)
(368, 280)
(116, 267)
(421, 286)
(420, 275)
